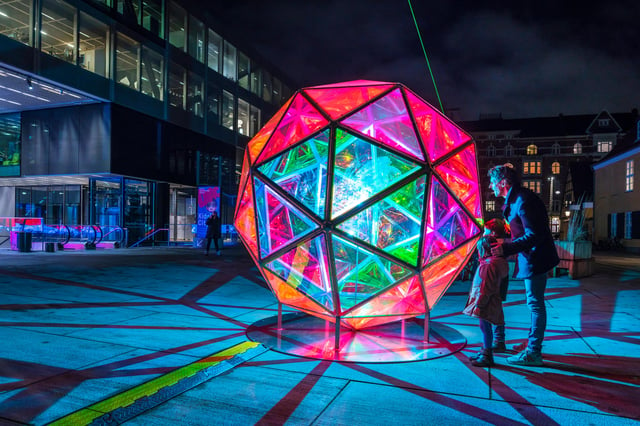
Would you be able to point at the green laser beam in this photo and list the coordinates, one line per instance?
(433, 79)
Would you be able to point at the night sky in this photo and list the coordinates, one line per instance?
(522, 60)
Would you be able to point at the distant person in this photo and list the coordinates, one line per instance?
(498, 229)
(531, 239)
(214, 231)
(485, 302)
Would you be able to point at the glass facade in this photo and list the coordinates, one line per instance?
(136, 44)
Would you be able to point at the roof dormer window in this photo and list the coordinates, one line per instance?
(603, 122)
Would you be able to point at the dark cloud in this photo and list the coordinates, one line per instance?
(530, 59)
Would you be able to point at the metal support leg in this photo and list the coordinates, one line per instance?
(427, 318)
(336, 343)
(279, 316)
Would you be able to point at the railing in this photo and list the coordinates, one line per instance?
(151, 234)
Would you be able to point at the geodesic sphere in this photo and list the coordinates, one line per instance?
(359, 203)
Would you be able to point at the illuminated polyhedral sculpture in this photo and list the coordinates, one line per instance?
(359, 203)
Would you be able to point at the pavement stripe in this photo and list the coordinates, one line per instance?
(130, 403)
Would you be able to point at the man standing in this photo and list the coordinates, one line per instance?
(531, 239)
(214, 232)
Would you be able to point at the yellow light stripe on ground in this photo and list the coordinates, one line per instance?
(126, 398)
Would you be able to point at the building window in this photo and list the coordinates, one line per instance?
(267, 88)
(92, 51)
(628, 180)
(614, 225)
(555, 224)
(490, 206)
(254, 120)
(152, 17)
(555, 148)
(256, 80)
(127, 54)
(277, 91)
(213, 106)
(555, 205)
(533, 185)
(18, 27)
(532, 150)
(213, 51)
(604, 146)
(603, 122)
(195, 95)
(58, 30)
(243, 71)
(627, 225)
(577, 148)
(532, 167)
(196, 39)
(508, 150)
(151, 73)
(177, 85)
(227, 110)
(243, 117)
(555, 168)
(491, 151)
(229, 61)
(177, 26)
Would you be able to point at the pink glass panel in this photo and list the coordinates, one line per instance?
(244, 176)
(300, 120)
(279, 222)
(352, 83)
(290, 296)
(255, 145)
(439, 276)
(245, 222)
(338, 102)
(447, 224)
(404, 299)
(461, 176)
(306, 269)
(388, 121)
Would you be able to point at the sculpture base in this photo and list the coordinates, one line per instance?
(311, 337)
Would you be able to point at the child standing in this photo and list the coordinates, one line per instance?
(484, 300)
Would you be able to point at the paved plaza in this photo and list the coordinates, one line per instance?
(80, 328)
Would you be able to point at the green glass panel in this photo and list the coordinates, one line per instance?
(302, 172)
(362, 170)
(392, 224)
(362, 274)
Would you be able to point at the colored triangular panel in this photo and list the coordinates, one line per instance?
(245, 222)
(300, 120)
(460, 174)
(279, 222)
(289, 296)
(438, 277)
(302, 172)
(393, 223)
(255, 145)
(447, 224)
(244, 176)
(388, 121)
(362, 170)
(401, 301)
(340, 101)
(362, 274)
(439, 134)
(306, 269)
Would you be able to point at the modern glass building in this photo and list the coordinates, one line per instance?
(114, 112)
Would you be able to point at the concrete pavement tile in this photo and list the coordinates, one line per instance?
(370, 404)
(55, 351)
(248, 394)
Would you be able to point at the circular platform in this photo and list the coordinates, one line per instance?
(311, 337)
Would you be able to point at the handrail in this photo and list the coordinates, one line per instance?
(114, 230)
(149, 235)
